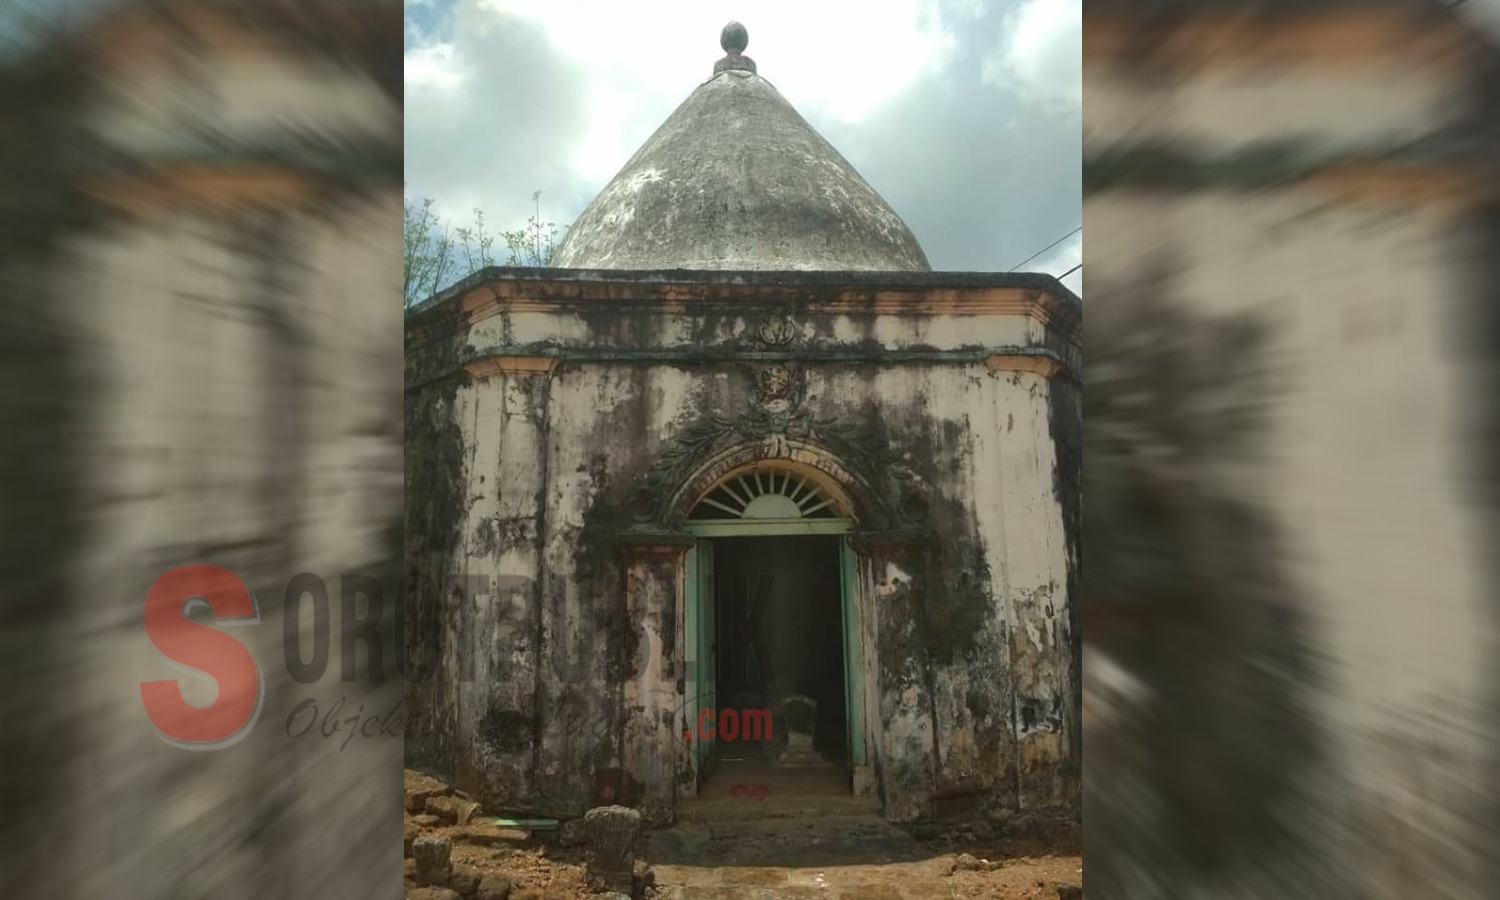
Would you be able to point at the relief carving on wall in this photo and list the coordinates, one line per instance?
(776, 405)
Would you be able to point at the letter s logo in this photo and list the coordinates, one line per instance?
(199, 649)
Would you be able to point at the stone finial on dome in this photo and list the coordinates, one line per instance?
(734, 39)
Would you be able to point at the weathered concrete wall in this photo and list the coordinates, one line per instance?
(587, 402)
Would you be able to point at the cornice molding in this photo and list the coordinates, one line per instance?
(532, 361)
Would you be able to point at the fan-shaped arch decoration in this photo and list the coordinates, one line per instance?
(768, 492)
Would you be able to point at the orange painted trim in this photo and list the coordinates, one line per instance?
(1045, 366)
(516, 365)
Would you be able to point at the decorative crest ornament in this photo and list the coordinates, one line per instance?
(776, 406)
(774, 415)
(775, 389)
(775, 333)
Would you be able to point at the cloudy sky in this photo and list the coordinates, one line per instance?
(964, 114)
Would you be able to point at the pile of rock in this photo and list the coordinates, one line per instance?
(440, 819)
(432, 805)
(437, 878)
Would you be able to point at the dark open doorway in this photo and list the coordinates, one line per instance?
(779, 633)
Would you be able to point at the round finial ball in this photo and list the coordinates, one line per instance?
(734, 38)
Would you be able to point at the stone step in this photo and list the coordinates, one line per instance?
(782, 808)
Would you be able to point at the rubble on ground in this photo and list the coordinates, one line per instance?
(455, 850)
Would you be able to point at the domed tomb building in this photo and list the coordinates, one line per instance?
(742, 493)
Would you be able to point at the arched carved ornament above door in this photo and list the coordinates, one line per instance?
(776, 432)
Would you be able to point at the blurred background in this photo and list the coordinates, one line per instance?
(200, 362)
(1290, 460)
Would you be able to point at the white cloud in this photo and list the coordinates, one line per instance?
(606, 144)
(492, 114)
(630, 64)
(843, 57)
(432, 68)
(1040, 50)
(507, 97)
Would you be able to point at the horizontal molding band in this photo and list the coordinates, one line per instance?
(711, 356)
(767, 527)
(1039, 360)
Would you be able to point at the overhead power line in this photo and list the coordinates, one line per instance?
(1044, 249)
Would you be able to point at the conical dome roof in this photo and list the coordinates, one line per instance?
(737, 179)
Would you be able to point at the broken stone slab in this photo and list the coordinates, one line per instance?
(409, 834)
(433, 855)
(967, 862)
(452, 810)
(1069, 891)
(610, 832)
(488, 834)
(416, 800)
(445, 809)
(465, 880)
(418, 788)
(494, 886)
(426, 821)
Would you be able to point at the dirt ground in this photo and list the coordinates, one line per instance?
(1031, 858)
(743, 857)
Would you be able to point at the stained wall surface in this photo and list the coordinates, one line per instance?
(552, 418)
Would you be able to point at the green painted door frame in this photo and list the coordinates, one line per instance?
(702, 662)
(692, 663)
(854, 684)
(698, 619)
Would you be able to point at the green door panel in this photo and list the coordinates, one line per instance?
(854, 695)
